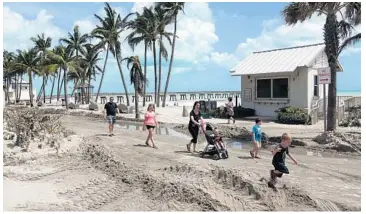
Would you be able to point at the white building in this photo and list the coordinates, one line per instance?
(24, 94)
(282, 77)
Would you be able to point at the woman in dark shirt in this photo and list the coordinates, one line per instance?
(194, 123)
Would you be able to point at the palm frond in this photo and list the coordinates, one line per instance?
(350, 42)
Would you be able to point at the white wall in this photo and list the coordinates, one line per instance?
(299, 88)
(298, 93)
(24, 95)
(311, 74)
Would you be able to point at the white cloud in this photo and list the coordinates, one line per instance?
(195, 31)
(139, 6)
(226, 60)
(276, 34)
(18, 30)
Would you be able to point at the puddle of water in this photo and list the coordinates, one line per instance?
(162, 130)
(236, 144)
(247, 145)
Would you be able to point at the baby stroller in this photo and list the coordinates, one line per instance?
(211, 148)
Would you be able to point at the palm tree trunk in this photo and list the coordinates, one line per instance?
(16, 88)
(137, 113)
(44, 90)
(159, 82)
(9, 86)
(331, 38)
(65, 89)
(171, 61)
(53, 85)
(62, 83)
(40, 91)
(123, 79)
(75, 85)
(145, 64)
(7, 90)
(58, 84)
(89, 89)
(156, 77)
(20, 88)
(30, 88)
(101, 80)
(82, 91)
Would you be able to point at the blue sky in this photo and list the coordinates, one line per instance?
(213, 37)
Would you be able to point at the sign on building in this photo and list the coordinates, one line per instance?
(324, 75)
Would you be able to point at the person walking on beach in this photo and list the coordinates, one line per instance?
(257, 138)
(230, 110)
(195, 120)
(111, 109)
(278, 161)
(150, 123)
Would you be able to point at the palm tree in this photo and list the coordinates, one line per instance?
(65, 60)
(137, 79)
(152, 29)
(140, 34)
(90, 64)
(76, 43)
(109, 34)
(41, 46)
(172, 8)
(163, 19)
(334, 30)
(29, 61)
(8, 68)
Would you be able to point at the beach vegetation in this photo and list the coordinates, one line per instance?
(292, 115)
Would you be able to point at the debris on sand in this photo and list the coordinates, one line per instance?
(30, 125)
(341, 142)
(353, 118)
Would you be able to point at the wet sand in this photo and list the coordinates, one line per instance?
(101, 173)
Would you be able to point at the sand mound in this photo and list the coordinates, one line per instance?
(342, 142)
(189, 188)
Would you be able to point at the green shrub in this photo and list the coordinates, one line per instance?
(240, 112)
(292, 115)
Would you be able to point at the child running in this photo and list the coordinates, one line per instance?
(278, 161)
(257, 138)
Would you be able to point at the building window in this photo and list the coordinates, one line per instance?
(274, 88)
(316, 86)
(264, 88)
(280, 88)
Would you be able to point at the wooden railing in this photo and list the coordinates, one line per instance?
(343, 105)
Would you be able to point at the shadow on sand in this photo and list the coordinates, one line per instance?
(246, 158)
(197, 155)
(140, 145)
(102, 135)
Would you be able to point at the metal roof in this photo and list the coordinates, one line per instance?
(278, 60)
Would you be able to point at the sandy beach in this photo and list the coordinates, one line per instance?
(100, 173)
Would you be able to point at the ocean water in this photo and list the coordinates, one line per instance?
(349, 93)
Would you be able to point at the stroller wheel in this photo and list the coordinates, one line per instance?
(227, 155)
(216, 157)
(201, 154)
